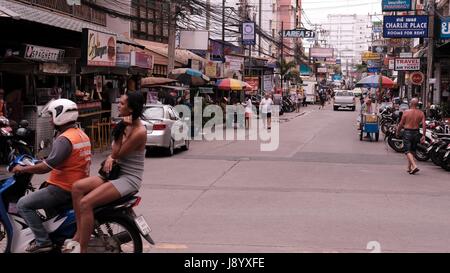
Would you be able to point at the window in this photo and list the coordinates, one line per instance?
(154, 113)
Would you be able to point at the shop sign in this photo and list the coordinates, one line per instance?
(142, 60)
(234, 63)
(406, 54)
(253, 82)
(99, 48)
(408, 26)
(268, 83)
(407, 64)
(320, 52)
(299, 33)
(123, 59)
(44, 54)
(54, 68)
(392, 64)
(445, 28)
(212, 69)
(396, 5)
(248, 33)
(365, 56)
(373, 69)
(417, 78)
(322, 70)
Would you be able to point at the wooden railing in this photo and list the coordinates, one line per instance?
(81, 12)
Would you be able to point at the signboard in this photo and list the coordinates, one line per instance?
(299, 33)
(338, 61)
(319, 52)
(330, 61)
(337, 77)
(44, 54)
(406, 54)
(407, 64)
(396, 5)
(99, 48)
(373, 69)
(268, 83)
(141, 59)
(234, 63)
(417, 78)
(248, 33)
(212, 69)
(373, 63)
(322, 70)
(365, 56)
(54, 68)
(194, 39)
(408, 26)
(379, 49)
(253, 82)
(123, 59)
(392, 64)
(445, 28)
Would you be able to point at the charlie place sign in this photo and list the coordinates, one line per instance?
(417, 78)
(407, 64)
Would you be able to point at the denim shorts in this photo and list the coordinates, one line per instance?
(411, 138)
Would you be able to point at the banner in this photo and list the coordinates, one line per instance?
(253, 82)
(268, 83)
(445, 28)
(408, 26)
(99, 48)
(320, 52)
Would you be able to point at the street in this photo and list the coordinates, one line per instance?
(322, 191)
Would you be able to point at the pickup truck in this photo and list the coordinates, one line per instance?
(344, 99)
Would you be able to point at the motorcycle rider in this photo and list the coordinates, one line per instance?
(68, 162)
(2, 103)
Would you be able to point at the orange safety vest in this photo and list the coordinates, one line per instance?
(77, 166)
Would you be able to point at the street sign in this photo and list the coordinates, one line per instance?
(299, 33)
(367, 55)
(445, 28)
(396, 5)
(248, 33)
(408, 26)
(338, 61)
(417, 78)
(407, 64)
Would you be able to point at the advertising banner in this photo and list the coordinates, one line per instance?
(268, 83)
(99, 48)
(407, 64)
(445, 28)
(408, 26)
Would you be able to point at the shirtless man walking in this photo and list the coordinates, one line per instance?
(411, 120)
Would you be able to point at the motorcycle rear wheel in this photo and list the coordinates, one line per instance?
(421, 153)
(4, 238)
(115, 230)
(396, 145)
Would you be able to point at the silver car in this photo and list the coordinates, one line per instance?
(161, 122)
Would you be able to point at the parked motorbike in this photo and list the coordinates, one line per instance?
(116, 228)
(11, 140)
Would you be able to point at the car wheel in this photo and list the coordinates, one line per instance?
(186, 145)
(171, 148)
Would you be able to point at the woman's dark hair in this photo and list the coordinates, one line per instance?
(135, 101)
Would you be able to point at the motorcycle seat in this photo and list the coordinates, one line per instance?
(119, 201)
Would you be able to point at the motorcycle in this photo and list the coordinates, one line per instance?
(116, 227)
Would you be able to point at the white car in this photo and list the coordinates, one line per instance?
(344, 99)
(161, 122)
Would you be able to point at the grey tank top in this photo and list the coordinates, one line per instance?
(133, 164)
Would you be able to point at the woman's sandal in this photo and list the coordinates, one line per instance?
(71, 246)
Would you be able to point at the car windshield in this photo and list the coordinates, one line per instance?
(154, 113)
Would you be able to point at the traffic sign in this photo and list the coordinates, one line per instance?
(417, 78)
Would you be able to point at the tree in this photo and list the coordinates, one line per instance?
(285, 67)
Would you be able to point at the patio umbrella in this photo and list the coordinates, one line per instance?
(151, 81)
(189, 76)
(373, 82)
(233, 84)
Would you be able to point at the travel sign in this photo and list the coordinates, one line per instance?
(299, 33)
(396, 5)
(408, 26)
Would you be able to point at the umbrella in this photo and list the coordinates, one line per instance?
(233, 84)
(151, 81)
(189, 76)
(374, 82)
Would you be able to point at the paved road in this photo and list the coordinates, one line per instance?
(322, 191)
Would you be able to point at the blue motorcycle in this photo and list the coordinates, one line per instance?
(117, 228)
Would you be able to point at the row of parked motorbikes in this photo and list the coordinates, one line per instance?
(437, 136)
(287, 105)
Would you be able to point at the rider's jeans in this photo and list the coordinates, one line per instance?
(46, 198)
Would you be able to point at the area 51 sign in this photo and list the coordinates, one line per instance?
(299, 33)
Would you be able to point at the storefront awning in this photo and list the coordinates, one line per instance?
(31, 13)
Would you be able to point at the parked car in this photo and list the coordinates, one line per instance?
(161, 122)
(344, 99)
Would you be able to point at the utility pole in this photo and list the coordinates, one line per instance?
(223, 32)
(260, 26)
(430, 52)
(281, 54)
(208, 15)
(172, 30)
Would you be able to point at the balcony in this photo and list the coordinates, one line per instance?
(82, 12)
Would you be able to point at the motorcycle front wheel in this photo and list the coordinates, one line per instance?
(115, 235)
(4, 238)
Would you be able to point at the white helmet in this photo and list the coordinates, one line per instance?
(63, 111)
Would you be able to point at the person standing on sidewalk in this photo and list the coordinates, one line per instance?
(265, 107)
(411, 121)
(248, 111)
